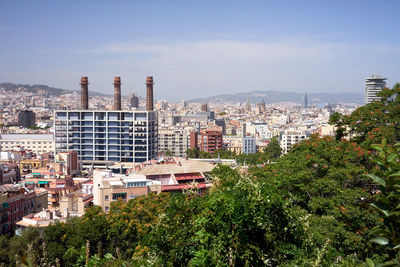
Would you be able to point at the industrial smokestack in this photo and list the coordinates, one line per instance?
(84, 93)
(117, 93)
(149, 93)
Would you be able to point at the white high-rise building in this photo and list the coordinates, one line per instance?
(100, 136)
(373, 85)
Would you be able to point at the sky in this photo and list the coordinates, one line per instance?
(200, 48)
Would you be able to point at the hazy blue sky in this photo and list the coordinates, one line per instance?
(200, 48)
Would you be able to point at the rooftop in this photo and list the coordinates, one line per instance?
(26, 136)
(180, 165)
(375, 77)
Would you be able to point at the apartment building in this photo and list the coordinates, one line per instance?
(176, 141)
(249, 145)
(37, 143)
(289, 138)
(104, 136)
(210, 141)
(19, 201)
(101, 136)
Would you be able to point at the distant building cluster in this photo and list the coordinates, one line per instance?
(61, 155)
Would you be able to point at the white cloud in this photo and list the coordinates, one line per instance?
(207, 68)
(194, 69)
(231, 51)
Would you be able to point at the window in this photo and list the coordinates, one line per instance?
(107, 208)
(106, 197)
(132, 196)
(136, 184)
(117, 196)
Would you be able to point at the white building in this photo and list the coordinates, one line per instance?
(264, 131)
(37, 143)
(291, 137)
(249, 145)
(373, 85)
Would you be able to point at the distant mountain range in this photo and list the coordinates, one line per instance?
(37, 88)
(271, 97)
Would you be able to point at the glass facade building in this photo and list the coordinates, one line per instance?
(107, 135)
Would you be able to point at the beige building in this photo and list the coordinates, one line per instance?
(233, 144)
(176, 141)
(108, 187)
(37, 143)
(327, 130)
(75, 203)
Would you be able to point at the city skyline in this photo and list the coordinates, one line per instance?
(207, 47)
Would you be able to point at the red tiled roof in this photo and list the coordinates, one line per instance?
(182, 186)
(188, 176)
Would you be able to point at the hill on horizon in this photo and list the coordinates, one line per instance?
(271, 97)
(50, 91)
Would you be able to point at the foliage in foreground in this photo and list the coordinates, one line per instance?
(387, 203)
(310, 208)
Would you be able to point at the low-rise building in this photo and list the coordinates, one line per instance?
(70, 162)
(20, 202)
(108, 187)
(179, 174)
(9, 173)
(27, 165)
(37, 143)
(39, 220)
(75, 203)
(240, 145)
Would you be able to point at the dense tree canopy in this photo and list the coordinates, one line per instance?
(370, 123)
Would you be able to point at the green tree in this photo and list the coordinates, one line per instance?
(325, 177)
(337, 119)
(5, 259)
(370, 123)
(387, 202)
(192, 153)
(243, 223)
(18, 246)
(273, 150)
